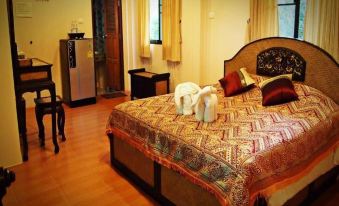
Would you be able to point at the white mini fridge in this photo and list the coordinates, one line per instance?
(77, 72)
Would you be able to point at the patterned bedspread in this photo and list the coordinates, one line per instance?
(248, 148)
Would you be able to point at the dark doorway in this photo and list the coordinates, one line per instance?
(108, 45)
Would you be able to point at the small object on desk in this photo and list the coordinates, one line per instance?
(147, 84)
(76, 35)
(25, 62)
(42, 107)
(21, 55)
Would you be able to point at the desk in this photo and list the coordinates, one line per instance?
(34, 78)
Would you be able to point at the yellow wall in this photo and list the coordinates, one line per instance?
(189, 68)
(212, 31)
(129, 29)
(50, 22)
(9, 136)
(223, 28)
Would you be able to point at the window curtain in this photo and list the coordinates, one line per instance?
(143, 28)
(171, 37)
(263, 19)
(322, 25)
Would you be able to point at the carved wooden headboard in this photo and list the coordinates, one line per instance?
(275, 61)
(316, 66)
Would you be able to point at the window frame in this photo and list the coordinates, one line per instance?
(158, 41)
(295, 3)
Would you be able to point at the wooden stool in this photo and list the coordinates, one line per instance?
(43, 106)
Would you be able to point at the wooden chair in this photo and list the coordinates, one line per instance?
(43, 106)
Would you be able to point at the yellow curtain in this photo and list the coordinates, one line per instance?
(143, 28)
(171, 37)
(322, 25)
(263, 19)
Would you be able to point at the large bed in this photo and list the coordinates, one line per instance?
(252, 154)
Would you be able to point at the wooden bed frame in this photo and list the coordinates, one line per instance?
(161, 183)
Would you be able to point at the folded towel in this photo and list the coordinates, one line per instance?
(183, 97)
(205, 104)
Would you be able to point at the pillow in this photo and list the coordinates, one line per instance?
(236, 82)
(277, 90)
(266, 81)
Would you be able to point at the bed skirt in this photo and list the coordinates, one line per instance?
(170, 188)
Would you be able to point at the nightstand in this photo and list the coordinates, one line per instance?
(147, 84)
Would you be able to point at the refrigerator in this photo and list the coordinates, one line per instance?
(77, 72)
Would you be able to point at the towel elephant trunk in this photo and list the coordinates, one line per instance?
(205, 104)
(211, 106)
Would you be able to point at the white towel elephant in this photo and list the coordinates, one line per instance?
(183, 96)
(206, 104)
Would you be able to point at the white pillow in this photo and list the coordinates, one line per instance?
(247, 77)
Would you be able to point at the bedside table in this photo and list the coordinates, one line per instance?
(147, 84)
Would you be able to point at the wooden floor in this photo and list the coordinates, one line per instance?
(81, 173)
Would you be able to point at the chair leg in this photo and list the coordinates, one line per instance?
(21, 108)
(61, 123)
(39, 119)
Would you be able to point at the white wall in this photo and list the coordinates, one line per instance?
(212, 31)
(50, 22)
(9, 135)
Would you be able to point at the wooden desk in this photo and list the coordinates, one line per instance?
(34, 78)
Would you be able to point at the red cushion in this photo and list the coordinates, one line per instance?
(278, 91)
(234, 83)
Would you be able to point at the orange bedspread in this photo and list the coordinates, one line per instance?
(247, 149)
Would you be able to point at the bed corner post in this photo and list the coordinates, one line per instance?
(260, 200)
(111, 143)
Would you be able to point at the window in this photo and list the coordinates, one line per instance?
(155, 21)
(291, 18)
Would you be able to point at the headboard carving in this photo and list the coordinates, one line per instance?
(280, 60)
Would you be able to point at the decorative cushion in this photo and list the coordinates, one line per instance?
(236, 82)
(278, 90)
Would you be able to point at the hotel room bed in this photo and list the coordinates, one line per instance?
(251, 150)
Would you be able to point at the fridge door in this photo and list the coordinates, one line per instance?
(82, 77)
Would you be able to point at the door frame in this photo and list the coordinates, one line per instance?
(14, 53)
(121, 51)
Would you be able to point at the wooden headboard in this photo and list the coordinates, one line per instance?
(321, 70)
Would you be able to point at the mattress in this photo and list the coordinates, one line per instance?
(247, 149)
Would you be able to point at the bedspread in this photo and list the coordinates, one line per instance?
(248, 147)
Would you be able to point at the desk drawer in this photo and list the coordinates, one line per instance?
(33, 76)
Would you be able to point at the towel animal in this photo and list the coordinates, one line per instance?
(183, 96)
(205, 104)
